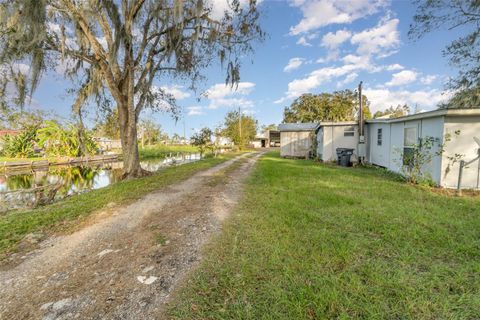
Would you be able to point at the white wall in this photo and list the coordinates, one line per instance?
(333, 138)
(390, 153)
(462, 144)
(379, 155)
(434, 127)
(320, 143)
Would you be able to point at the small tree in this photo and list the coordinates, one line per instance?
(202, 140)
(59, 141)
(150, 132)
(241, 129)
(21, 145)
(109, 126)
(176, 138)
(418, 156)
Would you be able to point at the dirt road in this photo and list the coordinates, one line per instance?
(125, 265)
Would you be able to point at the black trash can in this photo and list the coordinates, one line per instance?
(340, 152)
(343, 157)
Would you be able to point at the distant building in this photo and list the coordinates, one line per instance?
(107, 144)
(223, 141)
(268, 139)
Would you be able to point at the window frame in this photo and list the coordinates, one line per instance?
(408, 147)
(379, 136)
(349, 131)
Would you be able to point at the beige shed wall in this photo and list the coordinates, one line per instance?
(296, 144)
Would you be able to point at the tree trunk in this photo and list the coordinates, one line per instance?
(128, 137)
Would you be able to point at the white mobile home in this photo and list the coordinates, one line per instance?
(389, 140)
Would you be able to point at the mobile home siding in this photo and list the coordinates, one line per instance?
(334, 137)
(464, 144)
(379, 154)
(390, 153)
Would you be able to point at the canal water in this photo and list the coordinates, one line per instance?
(34, 188)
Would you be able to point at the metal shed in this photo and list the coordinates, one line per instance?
(297, 139)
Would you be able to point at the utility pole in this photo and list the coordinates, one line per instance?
(361, 131)
(184, 135)
(240, 124)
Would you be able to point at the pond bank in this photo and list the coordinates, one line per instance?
(31, 164)
(36, 186)
(64, 214)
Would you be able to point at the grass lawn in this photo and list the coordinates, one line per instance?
(160, 150)
(314, 241)
(65, 213)
(148, 152)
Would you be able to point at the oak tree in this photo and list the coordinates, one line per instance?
(463, 17)
(121, 51)
(336, 106)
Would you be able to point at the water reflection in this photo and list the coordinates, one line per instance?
(20, 190)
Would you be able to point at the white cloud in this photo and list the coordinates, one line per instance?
(320, 13)
(334, 40)
(401, 78)
(220, 90)
(176, 91)
(348, 79)
(299, 86)
(304, 42)
(195, 111)
(380, 99)
(381, 39)
(224, 95)
(293, 64)
(230, 102)
(428, 79)
(394, 67)
(219, 7)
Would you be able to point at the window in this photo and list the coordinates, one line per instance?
(379, 136)
(349, 131)
(409, 141)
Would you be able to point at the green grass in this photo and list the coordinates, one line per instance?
(7, 159)
(160, 150)
(148, 152)
(65, 214)
(314, 241)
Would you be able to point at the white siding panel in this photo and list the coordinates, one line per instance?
(433, 127)
(379, 155)
(462, 144)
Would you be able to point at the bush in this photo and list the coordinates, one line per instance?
(21, 145)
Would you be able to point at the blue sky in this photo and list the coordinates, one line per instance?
(312, 46)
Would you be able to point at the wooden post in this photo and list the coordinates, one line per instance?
(460, 174)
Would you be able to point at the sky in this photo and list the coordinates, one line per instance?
(312, 46)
